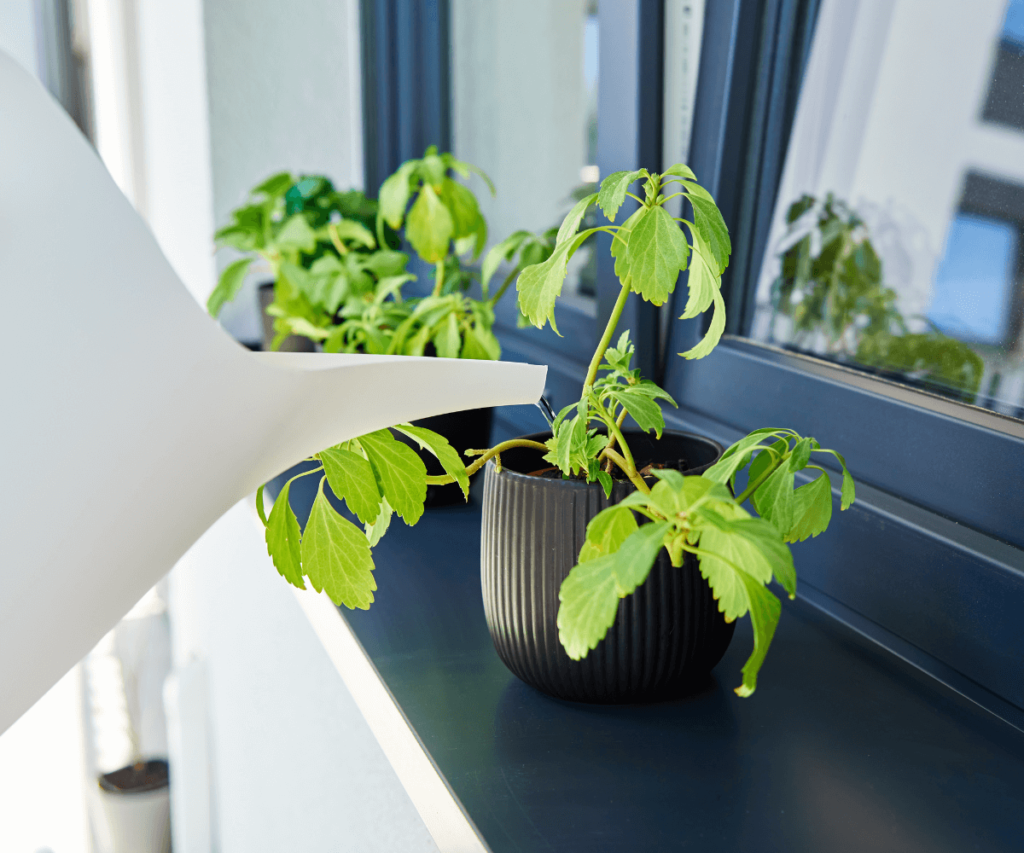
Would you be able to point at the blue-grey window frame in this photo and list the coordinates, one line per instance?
(929, 560)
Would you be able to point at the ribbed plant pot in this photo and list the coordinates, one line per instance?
(667, 635)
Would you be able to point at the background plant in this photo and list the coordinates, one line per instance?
(328, 267)
(831, 283)
(443, 224)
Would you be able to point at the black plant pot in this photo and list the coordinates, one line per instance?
(667, 635)
(469, 430)
(293, 343)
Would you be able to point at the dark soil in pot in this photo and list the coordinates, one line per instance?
(137, 778)
(667, 635)
(469, 430)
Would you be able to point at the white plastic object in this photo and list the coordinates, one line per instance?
(130, 421)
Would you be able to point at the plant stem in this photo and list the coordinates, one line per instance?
(611, 443)
(606, 338)
(504, 286)
(753, 487)
(445, 479)
(629, 469)
(332, 230)
(438, 277)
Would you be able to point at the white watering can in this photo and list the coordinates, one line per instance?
(129, 420)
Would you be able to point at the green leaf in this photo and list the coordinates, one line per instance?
(727, 555)
(351, 478)
(753, 544)
(275, 186)
(714, 333)
(645, 411)
(703, 282)
(462, 205)
(620, 245)
(675, 493)
(376, 531)
(429, 226)
(680, 170)
(774, 498)
(438, 445)
(763, 461)
(737, 454)
(637, 554)
(613, 191)
(386, 262)
(293, 276)
(571, 224)
(336, 556)
(657, 252)
(589, 596)
(347, 229)
(708, 219)
(501, 252)
(589, 599)
(812, 509)
(607, 531)
(605, 479)
(447, 340)
(394, 194)
(296, 235)
(849, 493)
(765, 610)
(481, 344)
(228, 286)
(401, 474)
(261, 510)
(283, 536)
(540, 285)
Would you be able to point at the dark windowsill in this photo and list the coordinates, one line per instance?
(844, 746)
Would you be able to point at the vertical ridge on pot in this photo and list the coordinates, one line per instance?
(667, 635)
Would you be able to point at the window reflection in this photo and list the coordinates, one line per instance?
(897, 242)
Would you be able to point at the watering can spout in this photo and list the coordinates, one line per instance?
(132, 421)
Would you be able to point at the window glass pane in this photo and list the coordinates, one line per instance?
(524, 109)
(896, 246)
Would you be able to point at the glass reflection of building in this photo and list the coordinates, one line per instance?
(928, 151)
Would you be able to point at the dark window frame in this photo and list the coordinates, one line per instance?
(929, 560)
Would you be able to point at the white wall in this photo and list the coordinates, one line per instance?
(284, 92)
(519, 106)
(17, 32)
(294, 764)
(268, 751)
(42, 756)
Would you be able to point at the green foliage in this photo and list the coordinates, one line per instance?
(931, 357)
(650, 249)
(339, 285)
(375, 475)
(336, 556)
(831, 282)
(579, 443)
(739, 555)
(443, 210)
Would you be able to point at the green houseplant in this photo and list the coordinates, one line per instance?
(333, 282)
(831, 285)
(664, 514)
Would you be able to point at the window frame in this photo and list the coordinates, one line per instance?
(928, 562)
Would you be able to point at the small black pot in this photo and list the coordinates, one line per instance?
(667, 635)
(469, 430)
(293, 343)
